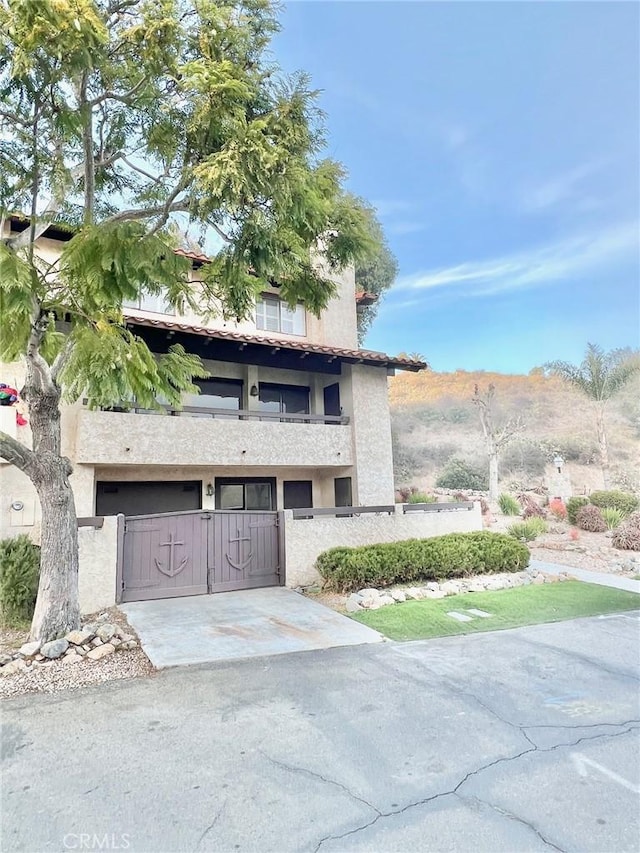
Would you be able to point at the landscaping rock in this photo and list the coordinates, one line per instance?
(414, 593)
(14, 667)
(100, 652)
(106, 632)
(95, 642)
(4, 659)
(28, 650)
(434, 593)
(73, 658)
(78, 638)
(538, 579)
(368, 593)
(450, 588)
(54, 649)
(398, 595)
(433, 586)
(132, 644)
(353, 604)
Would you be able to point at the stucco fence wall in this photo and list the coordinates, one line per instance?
(306, 538)
(98, 560)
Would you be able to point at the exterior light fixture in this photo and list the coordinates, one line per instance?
(209, 490)
(253, 391)
(558, 461)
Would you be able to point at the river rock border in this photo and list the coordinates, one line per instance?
(374, 599)
(86, 645)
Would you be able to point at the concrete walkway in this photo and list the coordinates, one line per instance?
(232, 625)
(600, 578)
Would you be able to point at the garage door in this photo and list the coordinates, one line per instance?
(143, 497)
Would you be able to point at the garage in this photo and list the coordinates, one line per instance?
(148, 497)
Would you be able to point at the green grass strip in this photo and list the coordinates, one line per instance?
(510, 608)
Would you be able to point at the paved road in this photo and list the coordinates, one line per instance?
(511, 741)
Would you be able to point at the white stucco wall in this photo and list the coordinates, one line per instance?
(98, 560)
(307, 538)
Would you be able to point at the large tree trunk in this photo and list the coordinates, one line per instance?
(602, 445)
(57, 608)
(493, 474)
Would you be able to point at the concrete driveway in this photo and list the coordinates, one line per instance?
(231, 625)
(523, 740)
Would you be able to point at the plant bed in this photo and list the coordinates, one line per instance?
(105, 649)
(508, 608)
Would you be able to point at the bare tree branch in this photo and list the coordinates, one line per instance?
(61, 360)
(148, 212)
(16, 453)
(115, 96)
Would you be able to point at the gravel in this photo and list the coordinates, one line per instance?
(55, 675)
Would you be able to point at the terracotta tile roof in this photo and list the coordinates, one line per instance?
(363, 297)
(200, 257)
(348, 355)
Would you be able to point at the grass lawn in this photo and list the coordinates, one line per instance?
(509, 608)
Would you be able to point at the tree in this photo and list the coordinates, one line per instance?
(496, 438)
(375, 274)
(124, 119)
(600, 376)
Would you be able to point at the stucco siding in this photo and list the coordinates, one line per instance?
(307, 538)
(371, 425)
(98, 555)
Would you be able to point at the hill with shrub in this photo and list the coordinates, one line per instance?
(438, 439)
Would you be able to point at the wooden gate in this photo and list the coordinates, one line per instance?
(194, 553)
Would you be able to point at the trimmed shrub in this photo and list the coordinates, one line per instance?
(557, 508)
(435, 559)
(627, 536)
(19, 575)
(422, 498)
(573, 505)
(612, 517)
(529, 529)
(616, 500)
(508, 505)
(458, 474)
(590, 518)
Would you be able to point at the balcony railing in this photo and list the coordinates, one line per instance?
(235, 414)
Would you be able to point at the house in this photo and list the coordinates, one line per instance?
(294, 417)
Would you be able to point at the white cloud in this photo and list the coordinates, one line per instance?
(565, 187)
(535, 267)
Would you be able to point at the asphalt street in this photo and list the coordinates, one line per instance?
(519, 740)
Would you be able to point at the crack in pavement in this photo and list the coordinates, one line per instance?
(306, 772)
(469, 775)
(210, 827)
(514, 817)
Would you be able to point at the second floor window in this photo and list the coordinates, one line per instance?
(274, 315)
(155, 302)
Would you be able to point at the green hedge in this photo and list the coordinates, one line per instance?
(615, 500)
(573, 505)
(438, 558)
(19, 575)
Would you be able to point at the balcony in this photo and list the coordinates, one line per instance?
(203, 437)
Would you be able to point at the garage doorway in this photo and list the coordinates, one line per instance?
(147, 497)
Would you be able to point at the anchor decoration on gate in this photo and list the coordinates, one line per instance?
(171, 570)
(240, 566)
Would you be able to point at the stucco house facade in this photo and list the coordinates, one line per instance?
(293, 415)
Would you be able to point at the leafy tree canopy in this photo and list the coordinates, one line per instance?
(125, 119)
(375, 273)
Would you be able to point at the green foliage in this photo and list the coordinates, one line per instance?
(529, 529)
(435, 559)
(422, 498)
(192, 125)
(19, 574)
(508, 505)
(524, 457)
(459, 474)
(626, 537)
(374, 274)
(590, 518)
(612, 517)
(601, 374)
(616, 500)
(573, 505)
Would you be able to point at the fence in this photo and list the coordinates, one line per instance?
(308, 532)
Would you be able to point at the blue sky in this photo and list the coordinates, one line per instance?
(500, 144)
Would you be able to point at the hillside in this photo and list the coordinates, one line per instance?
(433, 420)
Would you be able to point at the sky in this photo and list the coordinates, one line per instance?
(500, 144)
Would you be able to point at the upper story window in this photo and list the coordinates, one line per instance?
(274, 315)
(155, 302)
